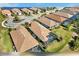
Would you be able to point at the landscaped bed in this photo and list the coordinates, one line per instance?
(57, 46)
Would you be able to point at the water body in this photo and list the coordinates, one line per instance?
(14, 7)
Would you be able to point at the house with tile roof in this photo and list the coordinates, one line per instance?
(23, 40)
(74, 9)
(41, 32)
(35, 9)
(48, 23)
(56, 18)
(26, 10)
(6, 12)
(63, 14)
(16, 11)
(70, 10)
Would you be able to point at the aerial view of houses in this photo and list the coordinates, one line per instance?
(39, 29)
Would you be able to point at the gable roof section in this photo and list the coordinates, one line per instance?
(15, 10)
(62, 14)
(56, 18)
(67, 11)
(4, 12)
(26, 10)
(74, 9)
(40, 31)
(22, 39)
(47, 21)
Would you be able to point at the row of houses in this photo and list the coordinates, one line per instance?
(70, 10)
(74, 11)
(25, 41)
(17, 11)
(54, 19)
(22, 39)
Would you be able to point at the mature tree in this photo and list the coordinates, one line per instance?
(72, 44)
(76, 25)
(16, 18)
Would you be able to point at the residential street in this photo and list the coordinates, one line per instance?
(11, 24)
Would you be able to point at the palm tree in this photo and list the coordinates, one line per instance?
(9, 29)
(6, 22)
(72, 44)
(25, 13)
(47, 8)
(36, 12)
(56, 10)
(27, 25)
(16, 18)
(76, 26)
(43, 10)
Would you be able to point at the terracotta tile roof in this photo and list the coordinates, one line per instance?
(26, 10)
(34, 9)
(22, 39)
(15, 10)
(71, 10)
(74, 9)
(6, 12)
(62, 14)
(56, 17)
(40, 31)
(47, 21)
(67, 11)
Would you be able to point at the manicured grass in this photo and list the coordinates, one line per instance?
(1, 17)
(57, 46)
(5, 41)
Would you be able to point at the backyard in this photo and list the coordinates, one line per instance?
(5, 41)
(57, 46)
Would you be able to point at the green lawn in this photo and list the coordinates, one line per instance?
(5, 40)
(57, 46)
(1, 19)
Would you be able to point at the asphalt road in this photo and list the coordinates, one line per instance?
(23, 19)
